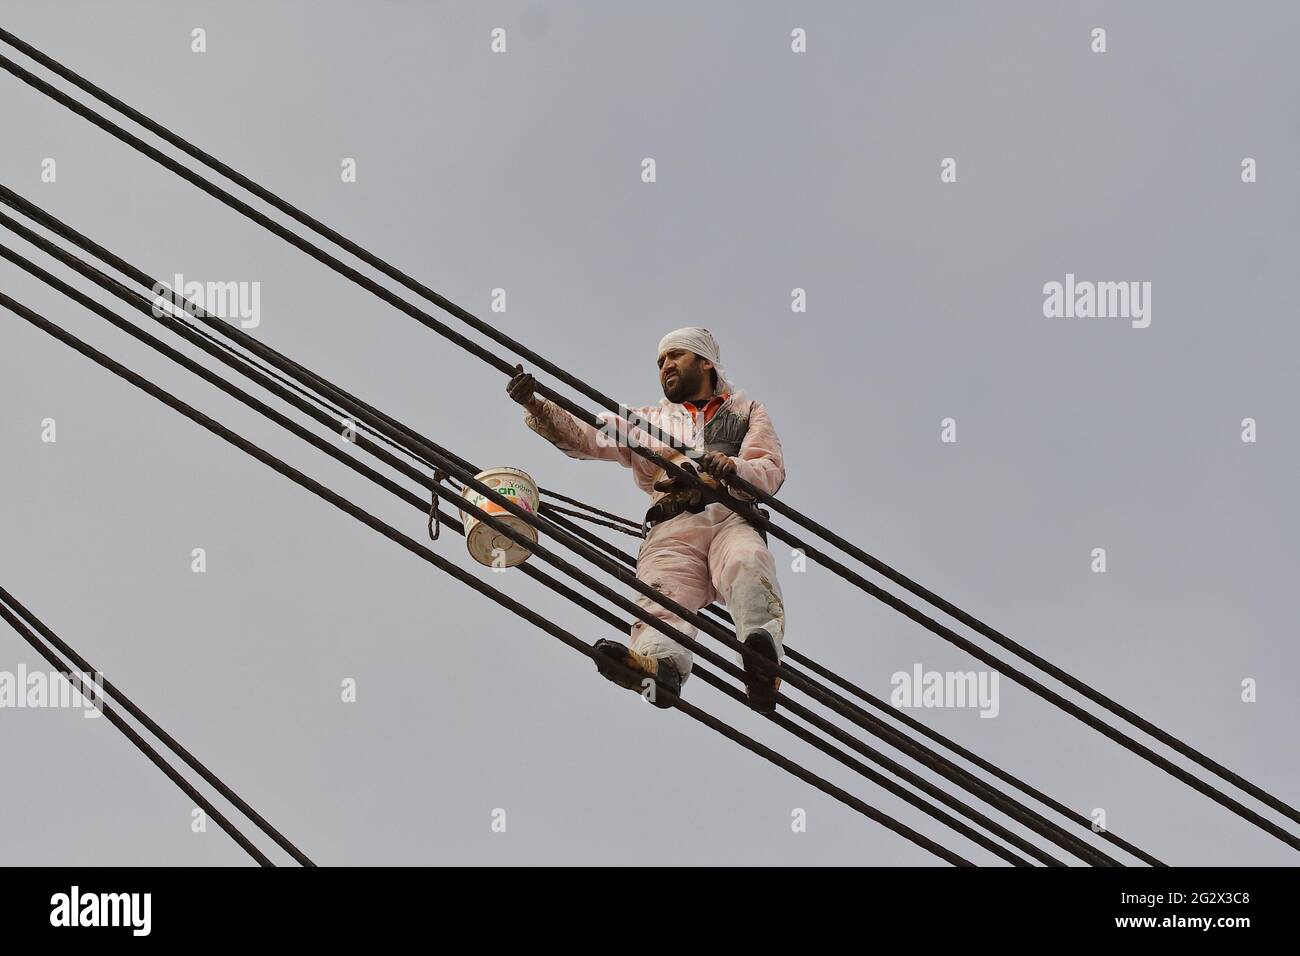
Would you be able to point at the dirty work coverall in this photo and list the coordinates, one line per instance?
(692, 558)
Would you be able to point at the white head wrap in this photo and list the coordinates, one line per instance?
(702, 343)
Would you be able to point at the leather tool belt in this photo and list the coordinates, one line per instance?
(671, 505)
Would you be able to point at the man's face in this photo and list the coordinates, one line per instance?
(684, 375)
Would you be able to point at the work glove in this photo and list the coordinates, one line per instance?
(689, 493)
(520, 388)
(718, 465)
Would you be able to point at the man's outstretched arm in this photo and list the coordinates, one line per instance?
(575, 438)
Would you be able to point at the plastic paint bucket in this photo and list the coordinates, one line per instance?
(486, 544)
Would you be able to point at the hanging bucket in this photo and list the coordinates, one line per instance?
(486, 544)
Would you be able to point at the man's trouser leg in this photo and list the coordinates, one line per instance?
(674, 560)
(744, 575)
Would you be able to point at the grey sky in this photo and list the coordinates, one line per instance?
(775, 171)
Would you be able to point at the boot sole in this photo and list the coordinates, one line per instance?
(610, 654)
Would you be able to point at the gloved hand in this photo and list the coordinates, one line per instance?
(720, 466)
(689, 493)
(520, 388)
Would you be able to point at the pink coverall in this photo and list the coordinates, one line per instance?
(692, 558)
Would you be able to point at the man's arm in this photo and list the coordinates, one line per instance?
(575, 438)
(760, 461)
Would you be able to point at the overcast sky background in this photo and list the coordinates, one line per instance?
(775, 171)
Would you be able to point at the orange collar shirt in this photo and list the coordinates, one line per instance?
(709, 408)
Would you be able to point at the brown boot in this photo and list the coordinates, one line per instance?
(626, 668)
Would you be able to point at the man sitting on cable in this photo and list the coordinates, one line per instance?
(695, 551)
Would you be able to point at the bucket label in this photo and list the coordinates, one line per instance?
(491, 507)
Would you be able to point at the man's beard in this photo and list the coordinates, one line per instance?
(687, 384)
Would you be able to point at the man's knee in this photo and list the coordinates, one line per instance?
(747, 561)
(661, 587)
